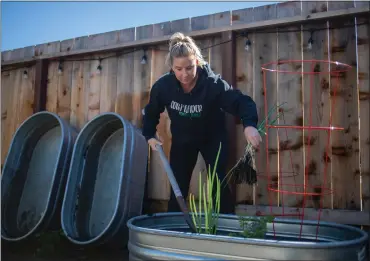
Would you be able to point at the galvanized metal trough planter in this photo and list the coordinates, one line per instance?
(34, 176)
(166, 236)
(106, 181)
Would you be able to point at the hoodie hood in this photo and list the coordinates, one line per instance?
(208, 71)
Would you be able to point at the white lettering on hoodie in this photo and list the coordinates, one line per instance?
(186, 108)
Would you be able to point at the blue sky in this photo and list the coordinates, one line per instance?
(30, 23)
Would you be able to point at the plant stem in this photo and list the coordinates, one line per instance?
(211, 205)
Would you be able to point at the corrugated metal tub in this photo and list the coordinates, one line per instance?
(106, 181)
(164, 236)
(34, 175)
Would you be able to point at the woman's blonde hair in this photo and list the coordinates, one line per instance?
(183, 46)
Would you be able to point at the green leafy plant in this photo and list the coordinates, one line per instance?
(254, 228)
(209, 203)
(248, 157)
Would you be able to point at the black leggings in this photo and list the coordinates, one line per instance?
(183, 158)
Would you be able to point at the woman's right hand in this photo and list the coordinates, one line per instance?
(153, 142)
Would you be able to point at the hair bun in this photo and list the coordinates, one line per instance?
(182, 46)
(177, 38)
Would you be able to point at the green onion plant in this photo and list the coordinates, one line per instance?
(207, 201)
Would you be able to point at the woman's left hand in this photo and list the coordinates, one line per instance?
(252, 135)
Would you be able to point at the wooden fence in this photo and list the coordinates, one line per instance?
(62, 77)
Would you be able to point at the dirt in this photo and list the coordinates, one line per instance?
(57, 248)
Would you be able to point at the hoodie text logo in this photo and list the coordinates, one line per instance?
(187, 110)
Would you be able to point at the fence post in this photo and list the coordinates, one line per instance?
(228, 50)
(41, 83)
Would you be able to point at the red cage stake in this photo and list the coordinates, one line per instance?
(336, 69)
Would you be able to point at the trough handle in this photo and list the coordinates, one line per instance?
(175, 188)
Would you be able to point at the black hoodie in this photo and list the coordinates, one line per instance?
(197, 115)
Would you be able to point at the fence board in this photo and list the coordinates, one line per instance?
(52, 87)
(7, 111)
(319, 172)
(74, 44)
(102, 39)
(158, 184)
(64, 91)
(109, 84)
(345, 153)
(19, 77)
(363, 74)
(6, 94)
(86, 87)
(312, 7)
(77, 115)
(291, 146)
(142, 84)
(94, 90)
(265, 49)
(125, 78)
(242, 16)
(289, 88)
(210, 21)
(162, 29)
(265, 12)
(127, 35)
(340, 5)
(259, 44)
(244, 83)
(47, 48)
(26, 96)
(125, 85)
(181, 25)
(144, 32)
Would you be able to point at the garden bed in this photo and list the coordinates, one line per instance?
(167, 236)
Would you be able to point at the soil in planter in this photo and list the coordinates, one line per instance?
(268, 236)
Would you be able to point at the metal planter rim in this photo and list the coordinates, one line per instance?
(252, 241)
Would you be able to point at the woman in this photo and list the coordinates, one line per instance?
(196, 99)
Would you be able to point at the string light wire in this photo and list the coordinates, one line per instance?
(243, 33)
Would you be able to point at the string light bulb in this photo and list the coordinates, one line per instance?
(25, 74)
(99, 68)
(248, 43)
(60, 68)
(310, 42)
(144, 58)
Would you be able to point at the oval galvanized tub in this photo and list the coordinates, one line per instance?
(106, 181)
(34, 175)
(165, 236)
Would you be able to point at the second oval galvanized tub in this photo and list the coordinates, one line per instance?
(166, 236)
(34, 175)
(106, 181)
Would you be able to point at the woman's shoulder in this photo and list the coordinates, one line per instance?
(163, 80)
